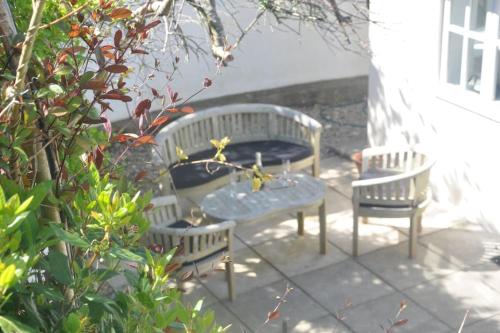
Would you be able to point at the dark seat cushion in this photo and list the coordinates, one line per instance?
(181, 224)
(273, 153)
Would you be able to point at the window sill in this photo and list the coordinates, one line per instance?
(470, 101)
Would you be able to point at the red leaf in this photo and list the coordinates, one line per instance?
(146, 139)
(140, 175)
(124, 137)
(142, 107)
(121, 83)
(172, 267)
(61, 57)
(116, 68)
(120, 13)
(207, 82)
(155, 92)
(139, 51)
(172, 94)
(116, 97)
(118, 38)
(94, 84)
(150, 25)
(75, 31)
(273, 315)
(160, 120)
(173, 110)
(187, 109)
(187, 276)
(98, 158)
(74, 49)
(106, 48)
(93, 121)
(400, 322)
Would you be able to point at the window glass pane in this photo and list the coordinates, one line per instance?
(478, 14)
(458, 12)
(474, 65)
(498, 75)
(454, 58)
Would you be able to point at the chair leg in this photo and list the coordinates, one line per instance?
(322, 227)
(180, 286)
(355, 235)
(413, 236)
(230, 279)
(300, 221)
(419, 224)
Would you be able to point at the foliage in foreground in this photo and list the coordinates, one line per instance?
(69, 222)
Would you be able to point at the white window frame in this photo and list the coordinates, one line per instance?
(483, 102)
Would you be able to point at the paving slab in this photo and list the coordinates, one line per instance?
(253, 307)
(327, 324)
(254, 233)
(464, 247)
(488, 272)
(194, 290)
(489, 325)
(224, 317)
(251, 271)
(450, 297)
(393, 265)
(298, 254)
(371, 236)
(342, 285)
(380, 314)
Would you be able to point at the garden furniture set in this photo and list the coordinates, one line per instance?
(393, 182)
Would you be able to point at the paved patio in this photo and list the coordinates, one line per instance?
(453, 273)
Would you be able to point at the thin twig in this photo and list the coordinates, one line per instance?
(62, 18)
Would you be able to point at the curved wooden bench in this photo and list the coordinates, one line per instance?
(262, 125)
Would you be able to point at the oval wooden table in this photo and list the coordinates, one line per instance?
(296, 193)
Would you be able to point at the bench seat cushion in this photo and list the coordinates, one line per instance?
(273, 153)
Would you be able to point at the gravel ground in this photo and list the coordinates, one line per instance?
(344, 131)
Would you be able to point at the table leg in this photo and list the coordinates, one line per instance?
(322, 228)
(300, 221)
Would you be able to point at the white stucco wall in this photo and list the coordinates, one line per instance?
(266, 58)
(406, 107)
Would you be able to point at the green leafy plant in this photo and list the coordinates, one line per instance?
(70, 223)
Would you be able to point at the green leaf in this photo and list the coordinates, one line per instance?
(22, 154)
(63, 70)
(56, 89)
(125, 254)
(7, 276)
(197, 307)
(86, 77)
(72, 323)
(10, 325)
(44, 92)
(256, 184)
(69, 237)
(58, 265)
(39, 193)
(2, 198)
(74, 103)
(17, 221)
(181, 155)
(24, 205)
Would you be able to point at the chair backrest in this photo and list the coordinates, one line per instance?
(407, 174)
(165, 211)
(239, 122)
(194, 243)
